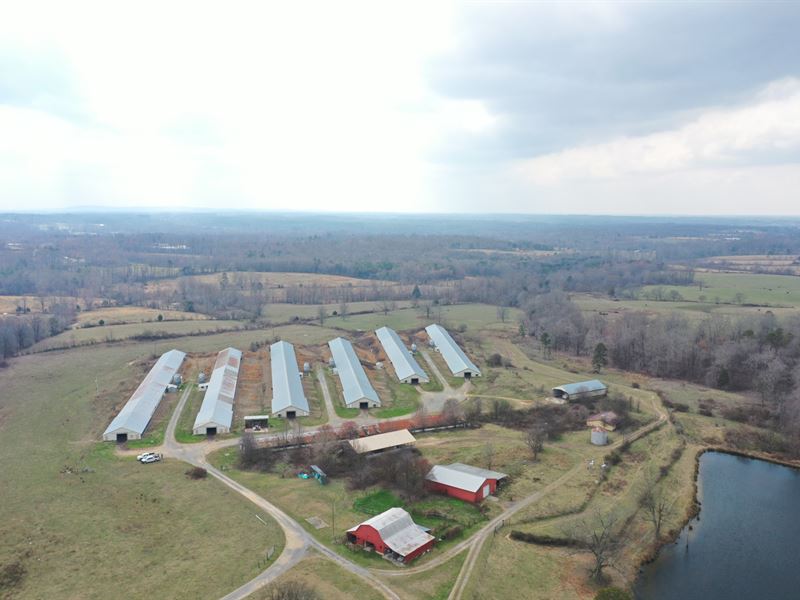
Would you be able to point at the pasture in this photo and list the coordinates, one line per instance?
(112, 333)
(80, 520)
(117, 315)
(760, 289)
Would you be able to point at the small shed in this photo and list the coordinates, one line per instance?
(581, 391)
(251, 421)
(608, 420)
(599, 436)
(393, 534)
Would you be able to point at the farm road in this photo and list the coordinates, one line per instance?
(298, 540)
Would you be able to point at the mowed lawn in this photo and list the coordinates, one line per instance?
(84, 523)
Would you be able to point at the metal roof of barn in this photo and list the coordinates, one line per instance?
(461, 476)
(593, 385)
(485, 473)
(139, 409)
(398, 531)
(355, 384)
(287, 389)
(454, 356)
(382, 441)
(404, 364)
(217, 406)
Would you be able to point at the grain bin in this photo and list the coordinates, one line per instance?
(599, 436)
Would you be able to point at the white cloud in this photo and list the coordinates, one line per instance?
(769, 124)
(313, 106)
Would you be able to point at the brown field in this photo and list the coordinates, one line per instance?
(269, 280)
(753, 263)
(253, 389)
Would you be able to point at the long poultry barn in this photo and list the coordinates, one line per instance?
(358, 391)
(134, 417)
(216, 411)
(458, 362)
(288, 398)
(405, 365)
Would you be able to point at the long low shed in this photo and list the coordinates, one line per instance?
(134, 417)
(405, 365)
(358, 391)
(288, 398)
(383, 441)
(583, 389)
(458, 362)
(216, 411)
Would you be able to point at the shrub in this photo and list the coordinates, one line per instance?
(495, 360)
(542, 540)
(612, 593)
(11, 575)
(635, 385)
(448, 533)
(197, 473)
(613, 458)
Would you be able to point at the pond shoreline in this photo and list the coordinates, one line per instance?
(644, 575)
(695, 506)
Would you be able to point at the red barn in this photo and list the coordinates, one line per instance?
(394, 534)
(464, 482)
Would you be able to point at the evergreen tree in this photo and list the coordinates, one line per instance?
(600, 358)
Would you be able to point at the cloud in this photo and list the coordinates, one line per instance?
(767, 129)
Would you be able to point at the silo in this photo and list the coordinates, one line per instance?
(599, 436)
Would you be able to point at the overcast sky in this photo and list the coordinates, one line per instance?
(593, 108)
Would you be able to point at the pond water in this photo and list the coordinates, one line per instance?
(745, 543)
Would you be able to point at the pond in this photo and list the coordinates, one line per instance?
(745, 542)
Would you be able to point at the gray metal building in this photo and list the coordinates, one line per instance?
(216, 411)
(358, 391)
(458, 362)
(134, 417)
(404, 363)
(288, 398)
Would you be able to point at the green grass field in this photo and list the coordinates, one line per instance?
(126, 331)
(82, 521)
(766, 290)
(327, 578)
(403, 400)
(434, 584)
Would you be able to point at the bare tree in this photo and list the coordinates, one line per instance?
(451, 412)
(656, 510)
(291, 590)
(597, 535)
(386, 306)
(344, 309)
(502, 313)
(321, 315)
(535, 438)
(488, 455)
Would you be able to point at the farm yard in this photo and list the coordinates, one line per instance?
(565, 490)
